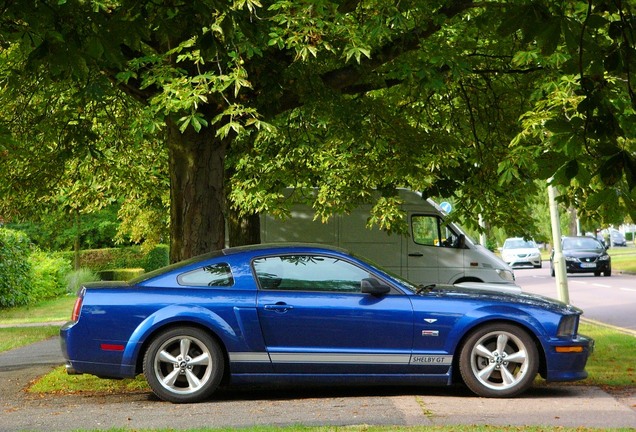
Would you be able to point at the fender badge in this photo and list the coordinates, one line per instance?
(430, 333)
(430, 320)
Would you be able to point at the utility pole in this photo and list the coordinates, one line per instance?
(558, 262)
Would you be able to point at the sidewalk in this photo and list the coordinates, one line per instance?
(549, 405)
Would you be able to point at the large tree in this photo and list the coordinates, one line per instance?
(352, 96)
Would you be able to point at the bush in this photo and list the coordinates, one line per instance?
(103, 259)
(126, 257)
(75, 279)
(120, 274)
(157, 258)
(48, 275)
(14, 268)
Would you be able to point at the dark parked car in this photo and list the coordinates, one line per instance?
(300, 314)
(584, 255)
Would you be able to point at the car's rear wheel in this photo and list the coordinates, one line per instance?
(183, 365)
(499, 360)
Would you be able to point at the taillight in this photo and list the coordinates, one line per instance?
(77, 308)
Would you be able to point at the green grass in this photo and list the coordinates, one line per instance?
(613, 362)
(58, 309)
(16, 337)
(623, 259)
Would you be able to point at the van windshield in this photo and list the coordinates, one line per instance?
(459, 230)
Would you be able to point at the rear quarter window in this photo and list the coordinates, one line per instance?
(219, 275)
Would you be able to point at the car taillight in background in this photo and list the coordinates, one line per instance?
(78, 305)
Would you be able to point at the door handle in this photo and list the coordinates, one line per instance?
(416, 254)
(279, 307)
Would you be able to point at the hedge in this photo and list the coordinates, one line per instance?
(15, 268)
(121, 258)
(120, 274)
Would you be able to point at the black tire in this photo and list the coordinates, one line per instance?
(607, 272)
(183, 365)
(498, 360)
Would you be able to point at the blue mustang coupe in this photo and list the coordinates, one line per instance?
(303, 313)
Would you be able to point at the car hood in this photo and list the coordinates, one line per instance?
(508, 296)
(583, 252)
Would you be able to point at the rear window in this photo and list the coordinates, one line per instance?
(212, 275)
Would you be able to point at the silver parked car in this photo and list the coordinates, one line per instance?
(518, 252)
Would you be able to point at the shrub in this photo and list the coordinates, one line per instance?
(158, 257)
(103, 259)
(120, 274)
(75, 279)
(47, 276)
(14, 268)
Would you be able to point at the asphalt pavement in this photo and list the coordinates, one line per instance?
(549, 405)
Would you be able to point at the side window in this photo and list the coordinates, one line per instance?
(429, 231)
(308, 273)
(425, 230)
(212, 275)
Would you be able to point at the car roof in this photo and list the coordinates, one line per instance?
(277, 247)
(232, 251)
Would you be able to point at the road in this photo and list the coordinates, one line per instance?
(610, 300)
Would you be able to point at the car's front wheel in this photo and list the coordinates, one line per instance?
(183, 365)
(498, 360)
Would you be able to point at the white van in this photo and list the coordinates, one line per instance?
(433, 252)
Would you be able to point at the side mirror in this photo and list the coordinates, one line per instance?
(374, 287)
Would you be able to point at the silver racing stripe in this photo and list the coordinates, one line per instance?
(249, 357)
(338, 358)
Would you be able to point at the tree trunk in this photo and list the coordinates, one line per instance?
(243, 230)
(197, 194)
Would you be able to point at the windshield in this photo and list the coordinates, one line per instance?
(458, 230)
(519, 244)
(581, 243)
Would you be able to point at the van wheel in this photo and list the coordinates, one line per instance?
(498, 360)
(183, 365)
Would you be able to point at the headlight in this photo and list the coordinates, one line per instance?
(568, 327)
(604, 258)
(571, 259)
(506, 275)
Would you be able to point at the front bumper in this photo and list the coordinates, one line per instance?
(580, 267)
(569, 366)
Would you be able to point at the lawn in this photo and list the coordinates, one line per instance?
(55, 310)
(15, 337)
(623, 259)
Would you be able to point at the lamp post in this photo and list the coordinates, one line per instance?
(557, 259)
